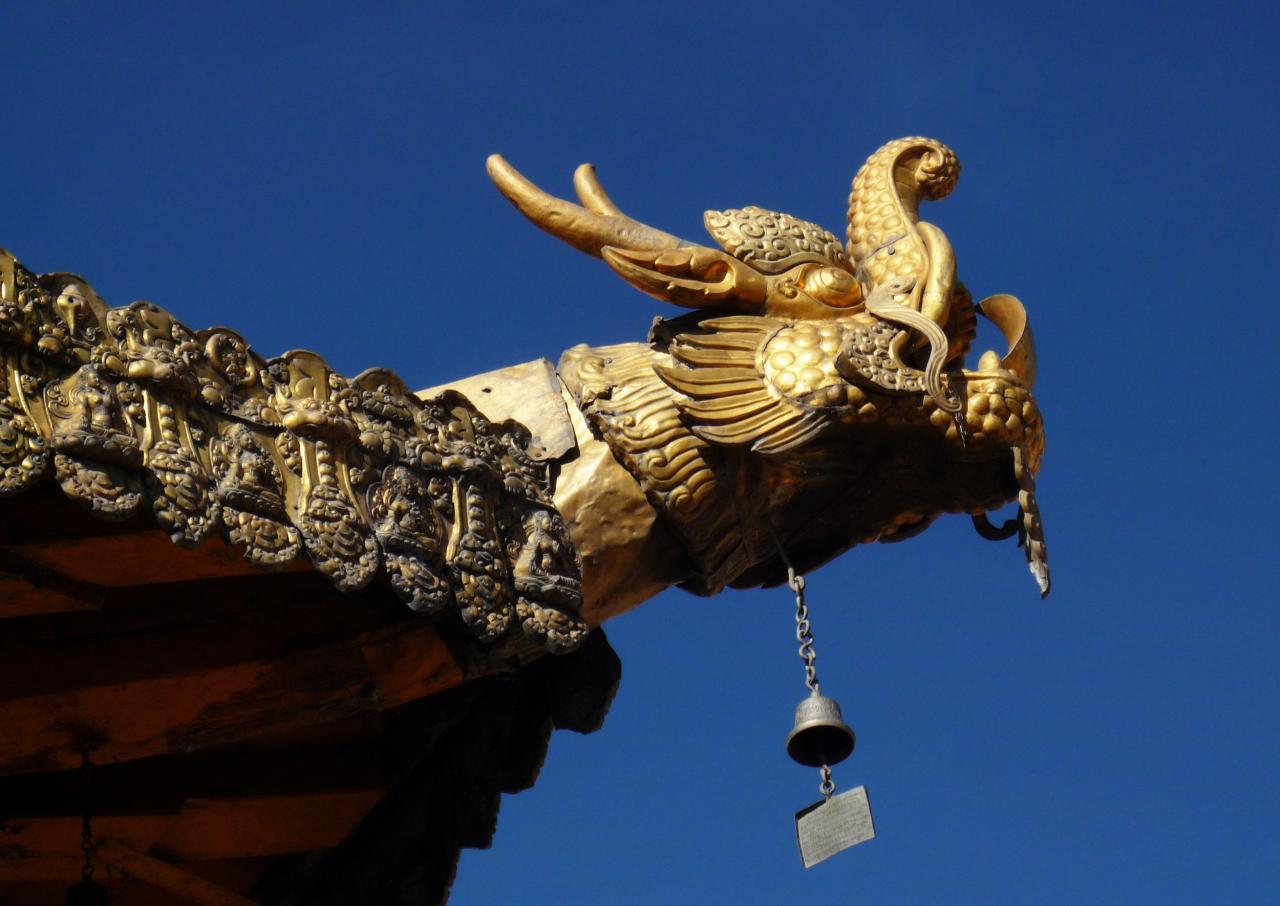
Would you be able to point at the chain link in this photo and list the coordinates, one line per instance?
(828, 786)
(86, 825)
(87, 847)
(804, 631)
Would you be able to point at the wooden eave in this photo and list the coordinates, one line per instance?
(258, 730)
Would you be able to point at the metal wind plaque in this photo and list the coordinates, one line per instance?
(832, 825)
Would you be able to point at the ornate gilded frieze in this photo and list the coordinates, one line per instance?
(127, 408)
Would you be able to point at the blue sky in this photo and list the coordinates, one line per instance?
(313, 175)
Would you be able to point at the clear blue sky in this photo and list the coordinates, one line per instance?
(313, 176)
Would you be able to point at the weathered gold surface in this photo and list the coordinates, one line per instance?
(819, 389)
(127, 408)
(530, 393)
(627, 552)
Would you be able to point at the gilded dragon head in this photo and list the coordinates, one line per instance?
(826, 374)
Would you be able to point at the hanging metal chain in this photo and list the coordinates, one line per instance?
(828, 786)
(86, 846)
(804, 631)
(86, 825)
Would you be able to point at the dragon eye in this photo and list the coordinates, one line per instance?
(833, 286)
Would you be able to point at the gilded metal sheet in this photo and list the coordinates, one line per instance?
(530, 393)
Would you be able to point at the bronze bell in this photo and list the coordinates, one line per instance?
(820, 735)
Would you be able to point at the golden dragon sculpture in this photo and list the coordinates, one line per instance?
(816, 395)
(817, 392)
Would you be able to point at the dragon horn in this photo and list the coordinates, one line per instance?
(587, 229)
(591, 193)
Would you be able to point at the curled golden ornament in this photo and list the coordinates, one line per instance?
(1007, 313)
(887, 240)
